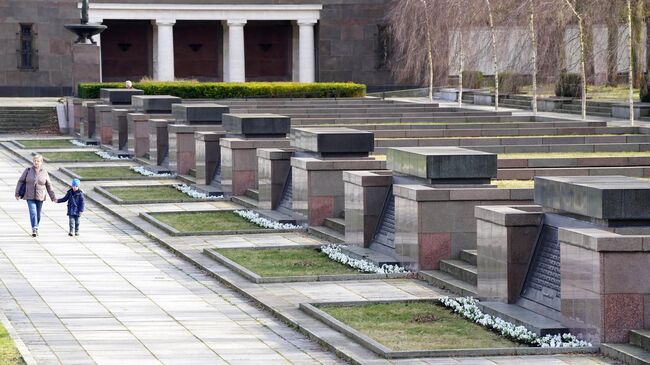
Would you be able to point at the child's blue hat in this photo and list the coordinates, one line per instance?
(76, 183)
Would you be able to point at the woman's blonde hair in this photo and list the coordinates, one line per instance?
(37, 157)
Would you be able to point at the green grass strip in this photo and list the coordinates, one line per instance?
(46, 143)
(148, 193)
(79, 156)
(417, 326)
(113, 172)
(9, 355)
(286, 262)
(205, 221)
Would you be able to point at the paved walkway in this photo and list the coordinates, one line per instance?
(113, 296)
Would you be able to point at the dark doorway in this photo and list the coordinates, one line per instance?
(197, 50)
(126, 50)
(268, 50)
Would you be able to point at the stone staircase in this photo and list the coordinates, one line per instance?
(456, 275)
(636, 352)
(248, 200)
(333, 230)
(22, 119)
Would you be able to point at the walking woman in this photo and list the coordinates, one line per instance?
(31, 186)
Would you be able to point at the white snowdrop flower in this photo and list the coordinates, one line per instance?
(143, 171)
(196, 194)
(254, 217)
(108, 156)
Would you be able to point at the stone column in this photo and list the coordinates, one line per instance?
(225, 40)
(236, 53)
(154, 49)
(165, 49)
(365, 195)
(273, 167)
(295, 52)
(306, 54)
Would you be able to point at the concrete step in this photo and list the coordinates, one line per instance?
(629, 354)
(327, 234)
(443, 280)
(192, 172)
(276, 216)
(530, 173)
(640, 338)
(244, 201)
(336, 224)
(469, 256)
(460, 270)
(521, 316)
(253, 194)
(209, 190)
(361, 253)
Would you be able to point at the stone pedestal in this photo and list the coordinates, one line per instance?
(182, 145)
(365, 194)
(318, 191)
(239, 162)
(104, 121)
(88, 124)
(433, 224)
(118, 96)
(120, 132)
(86, 64)
(506, 237)
(159, 141)
(154, 104)
(273, 168)
(73, 107)
(208, 156)
(138, 134)
(204, 113)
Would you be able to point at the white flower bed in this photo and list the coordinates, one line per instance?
(253, 217)
(108, 156)
(78, 143)
(196, 194)
(143, 171)
(334, 252)
(468, 308)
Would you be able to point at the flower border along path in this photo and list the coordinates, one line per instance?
(150, 217)
(366, 341)
(258, 279)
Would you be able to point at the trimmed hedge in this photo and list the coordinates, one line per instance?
(225, 90)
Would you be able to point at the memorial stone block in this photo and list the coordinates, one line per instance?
(199, 113)
(154, 104)
(333, 141)
(118, 96)
(257, 125)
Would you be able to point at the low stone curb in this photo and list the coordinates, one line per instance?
(135, 178)
(103, 190)
(256, 278)
(18, 342)
(385, 352)
(175, 232)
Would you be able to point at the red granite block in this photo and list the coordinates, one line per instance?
(243, 180)
(320, 208)
(433, 247)
(621, 313)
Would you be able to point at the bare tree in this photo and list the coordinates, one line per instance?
(427, 28)
(583, 71)
(495, 58)
(533, 41)
(630, 83)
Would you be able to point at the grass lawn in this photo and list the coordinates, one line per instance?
(78, 156)
(9, 355)
(514, 184)
(205, 221)
(286, 262)
(595, 92)
(114, 172)
(573, 154)
(148, 193)
(46, 143)
(416, 326)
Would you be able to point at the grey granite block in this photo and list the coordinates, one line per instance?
(333, 140)
(257, 124)
(600, 197)
(442, 163)
(118, 96)
(151, 104)
(199, 113)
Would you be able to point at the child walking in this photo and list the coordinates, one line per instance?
(75, 199)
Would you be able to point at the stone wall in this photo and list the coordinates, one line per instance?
(53, 74)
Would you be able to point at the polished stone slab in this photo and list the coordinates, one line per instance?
(257, 125)
(442, 163)
(118, 96)
(200, 113)
(161, 104)
(335, 140)
(600, 197)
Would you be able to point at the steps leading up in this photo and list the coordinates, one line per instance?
(629, 354)
(367, 254)
(460, 269)
(327, 234)
(336, 224)
(446, 281)
(469, 256)
(245, 201)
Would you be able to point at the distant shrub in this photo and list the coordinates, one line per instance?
(569, 85)
(472, 79)
(225, 90)
(644, 92)
(511, 83)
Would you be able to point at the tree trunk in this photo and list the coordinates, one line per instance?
(612, 45)
(533, 40)
(460, 71)
(583, 70)
(429, 48)
(494, 56)
(638, 20)
(630, 92)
